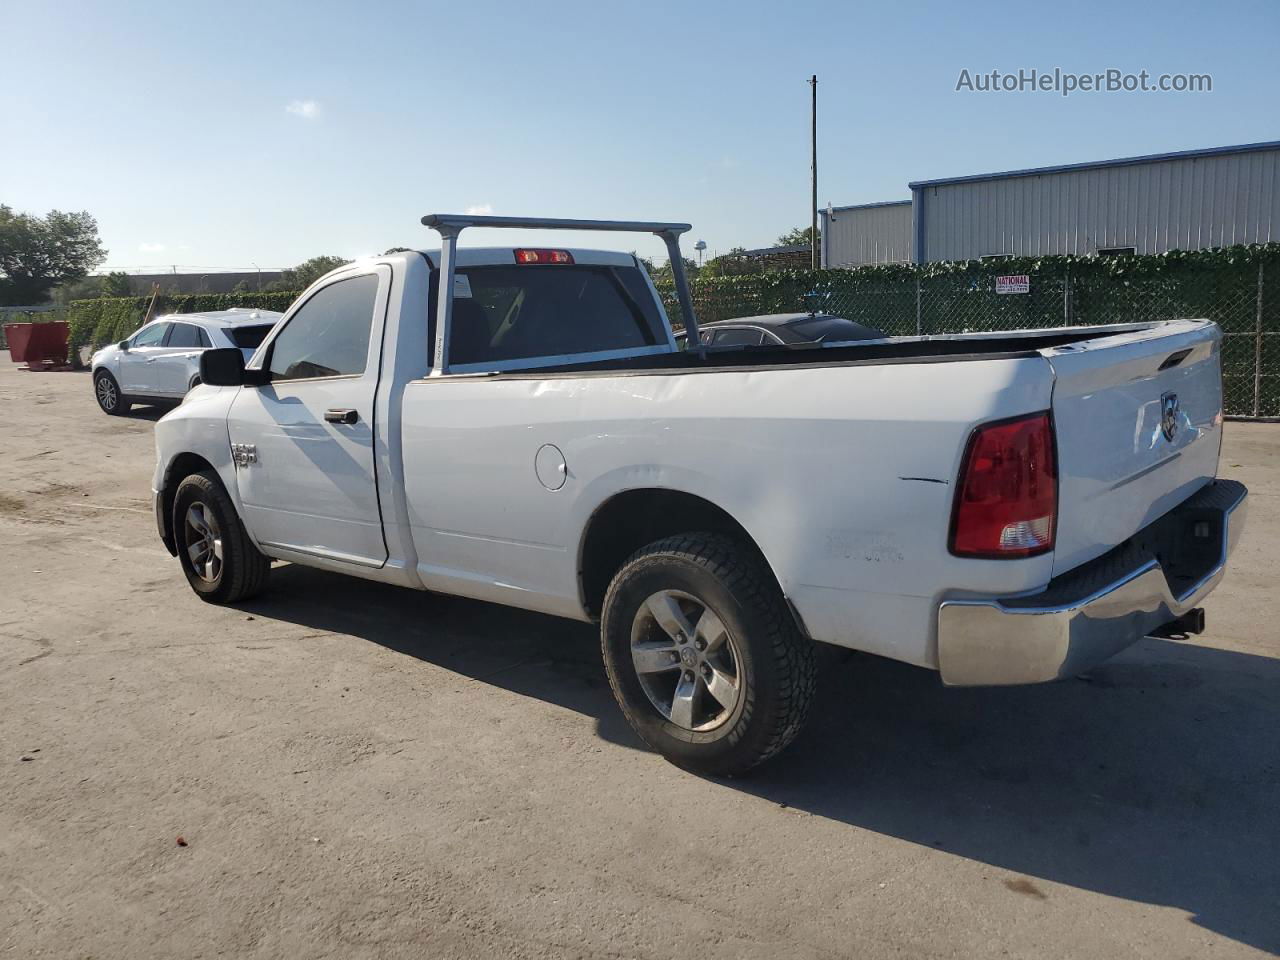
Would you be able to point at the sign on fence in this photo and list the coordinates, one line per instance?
(1019, 283)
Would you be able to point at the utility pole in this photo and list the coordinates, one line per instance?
(813, 203)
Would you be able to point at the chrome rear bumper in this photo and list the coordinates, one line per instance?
(1090, 613)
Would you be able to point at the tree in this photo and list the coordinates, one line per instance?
(40, 253)
(396, 250)
(88, 288)
(735, 263)
(116, 284)
(798, 236)
(662, 275)
(305, 274)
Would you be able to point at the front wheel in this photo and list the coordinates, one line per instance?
(221, 563)
(107, 391)
(703, 655)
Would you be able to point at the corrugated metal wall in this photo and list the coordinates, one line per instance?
(1184, 203)
(871, 233)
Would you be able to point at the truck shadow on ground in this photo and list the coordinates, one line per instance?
(147, 410)
(1156, 779)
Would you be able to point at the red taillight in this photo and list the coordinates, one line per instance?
(1007, 501)
(543, 256)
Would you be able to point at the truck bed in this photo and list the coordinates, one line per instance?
(926, 349)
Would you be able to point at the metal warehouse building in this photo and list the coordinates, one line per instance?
(867, 233)
(1188, 200)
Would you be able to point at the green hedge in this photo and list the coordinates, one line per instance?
(1236, 287)
(1218, 275)
(95, 323)
(948, 297)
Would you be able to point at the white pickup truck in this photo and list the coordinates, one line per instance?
(1007, 508)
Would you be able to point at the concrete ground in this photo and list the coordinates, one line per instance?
(360, 771)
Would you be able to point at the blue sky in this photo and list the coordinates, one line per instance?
(227, 134)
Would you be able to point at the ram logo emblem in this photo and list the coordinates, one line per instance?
(244, 454)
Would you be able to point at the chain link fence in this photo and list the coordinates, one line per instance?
(1242, 297)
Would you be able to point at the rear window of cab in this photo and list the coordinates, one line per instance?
(527, 311)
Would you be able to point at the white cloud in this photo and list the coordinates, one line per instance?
(480, 210)
(307, 109)
(151, 247)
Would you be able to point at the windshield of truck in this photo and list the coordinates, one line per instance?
(521, 312)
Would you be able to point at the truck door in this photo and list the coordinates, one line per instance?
(304, 441)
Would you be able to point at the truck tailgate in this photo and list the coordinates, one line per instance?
(1138, 420)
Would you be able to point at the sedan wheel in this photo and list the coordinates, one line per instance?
(107, 392)
(107, 395)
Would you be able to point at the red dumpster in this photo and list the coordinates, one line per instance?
(37, 343)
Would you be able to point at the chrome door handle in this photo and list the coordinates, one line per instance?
(345, 415)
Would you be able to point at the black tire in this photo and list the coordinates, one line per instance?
(241, 571)
(106, 390)
(195, 382)
(775, 670)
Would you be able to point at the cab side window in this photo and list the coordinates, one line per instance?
(329, 335)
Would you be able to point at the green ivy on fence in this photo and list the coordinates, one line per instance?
(1238, 287)
(1221, 271)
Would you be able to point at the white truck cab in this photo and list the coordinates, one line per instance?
(517, 425)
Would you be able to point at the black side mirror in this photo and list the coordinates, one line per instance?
(123, 345)
(223, 367)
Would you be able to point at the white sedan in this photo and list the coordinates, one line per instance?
(161, 361)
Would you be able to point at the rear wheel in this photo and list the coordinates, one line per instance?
(107, 392)
(221, 563)
(703, 655)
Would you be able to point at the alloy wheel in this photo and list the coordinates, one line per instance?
(203, 541)
(107, 394)
(687, 660)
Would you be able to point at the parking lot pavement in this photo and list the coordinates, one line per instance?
(360, 771)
